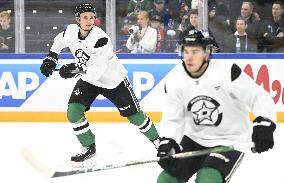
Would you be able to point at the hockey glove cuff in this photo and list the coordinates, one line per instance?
(262, 134)
(69, 70)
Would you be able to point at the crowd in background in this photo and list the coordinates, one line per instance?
(150, 26)
(7, 41)
(234, 26)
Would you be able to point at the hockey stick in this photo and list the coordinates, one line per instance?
(46, 171)
(73, 71)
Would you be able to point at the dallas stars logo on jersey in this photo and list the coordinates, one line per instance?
(82, 57)
(205, 110)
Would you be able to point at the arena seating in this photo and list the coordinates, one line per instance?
(45, 19)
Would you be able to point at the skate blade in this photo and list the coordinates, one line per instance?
(88, 163)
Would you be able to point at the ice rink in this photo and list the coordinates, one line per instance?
(54, 143)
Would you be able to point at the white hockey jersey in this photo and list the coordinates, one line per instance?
(213, 109)
(101, 65)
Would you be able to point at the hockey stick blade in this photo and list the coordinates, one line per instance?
(104, 167)
(37, 165)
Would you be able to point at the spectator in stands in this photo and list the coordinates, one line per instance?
(193, 24)
(178, 8)
(143, 38)
(171, 37)
(189, 21)
(247, 11)
(187, 5)
(218, 26)
(252, 19)
(174, 7)
(239, 41)
(272, 30)
(161, 10)
(124, 34)
(7, 33)
(157, 23)
(135, 6)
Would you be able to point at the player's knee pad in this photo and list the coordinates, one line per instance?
(165, 177)
(75, 112)
(209, 175)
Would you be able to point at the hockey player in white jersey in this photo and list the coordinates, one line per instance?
(104, 75)
(207, 107)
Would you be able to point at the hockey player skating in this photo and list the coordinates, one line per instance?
(207, 107)
(104, 75)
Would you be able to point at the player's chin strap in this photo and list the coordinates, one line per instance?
(204, 62)
(84, 29)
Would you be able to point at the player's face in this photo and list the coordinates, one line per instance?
(86, 20)
(276, 10)
(193, 58)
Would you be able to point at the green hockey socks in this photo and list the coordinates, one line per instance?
(75, 115)
(144, 124)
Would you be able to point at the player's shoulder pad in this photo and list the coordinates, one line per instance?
(101, 42)
(175, 74)
(235, 72)
(70, 29)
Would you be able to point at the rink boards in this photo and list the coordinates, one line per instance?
(26, 95)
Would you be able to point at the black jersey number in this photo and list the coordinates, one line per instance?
(82, 57)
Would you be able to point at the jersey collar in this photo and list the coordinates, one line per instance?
(79, 35)
(190, 75)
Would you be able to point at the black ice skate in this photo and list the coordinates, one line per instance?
(85, 158)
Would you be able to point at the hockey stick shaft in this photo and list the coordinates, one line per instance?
(73, 71)
(47, 172)
(219, 149)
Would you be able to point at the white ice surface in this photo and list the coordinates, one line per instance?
(54, 143)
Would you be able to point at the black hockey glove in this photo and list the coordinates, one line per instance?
(49, 64)
(167, 148)
(67, 71)
(262, 134)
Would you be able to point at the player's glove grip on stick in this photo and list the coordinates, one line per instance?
(167, 148)
(49, 64)
(66, 71)
(262, 135)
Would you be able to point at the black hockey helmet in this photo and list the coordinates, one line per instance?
(195, 37)
(84, 7)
